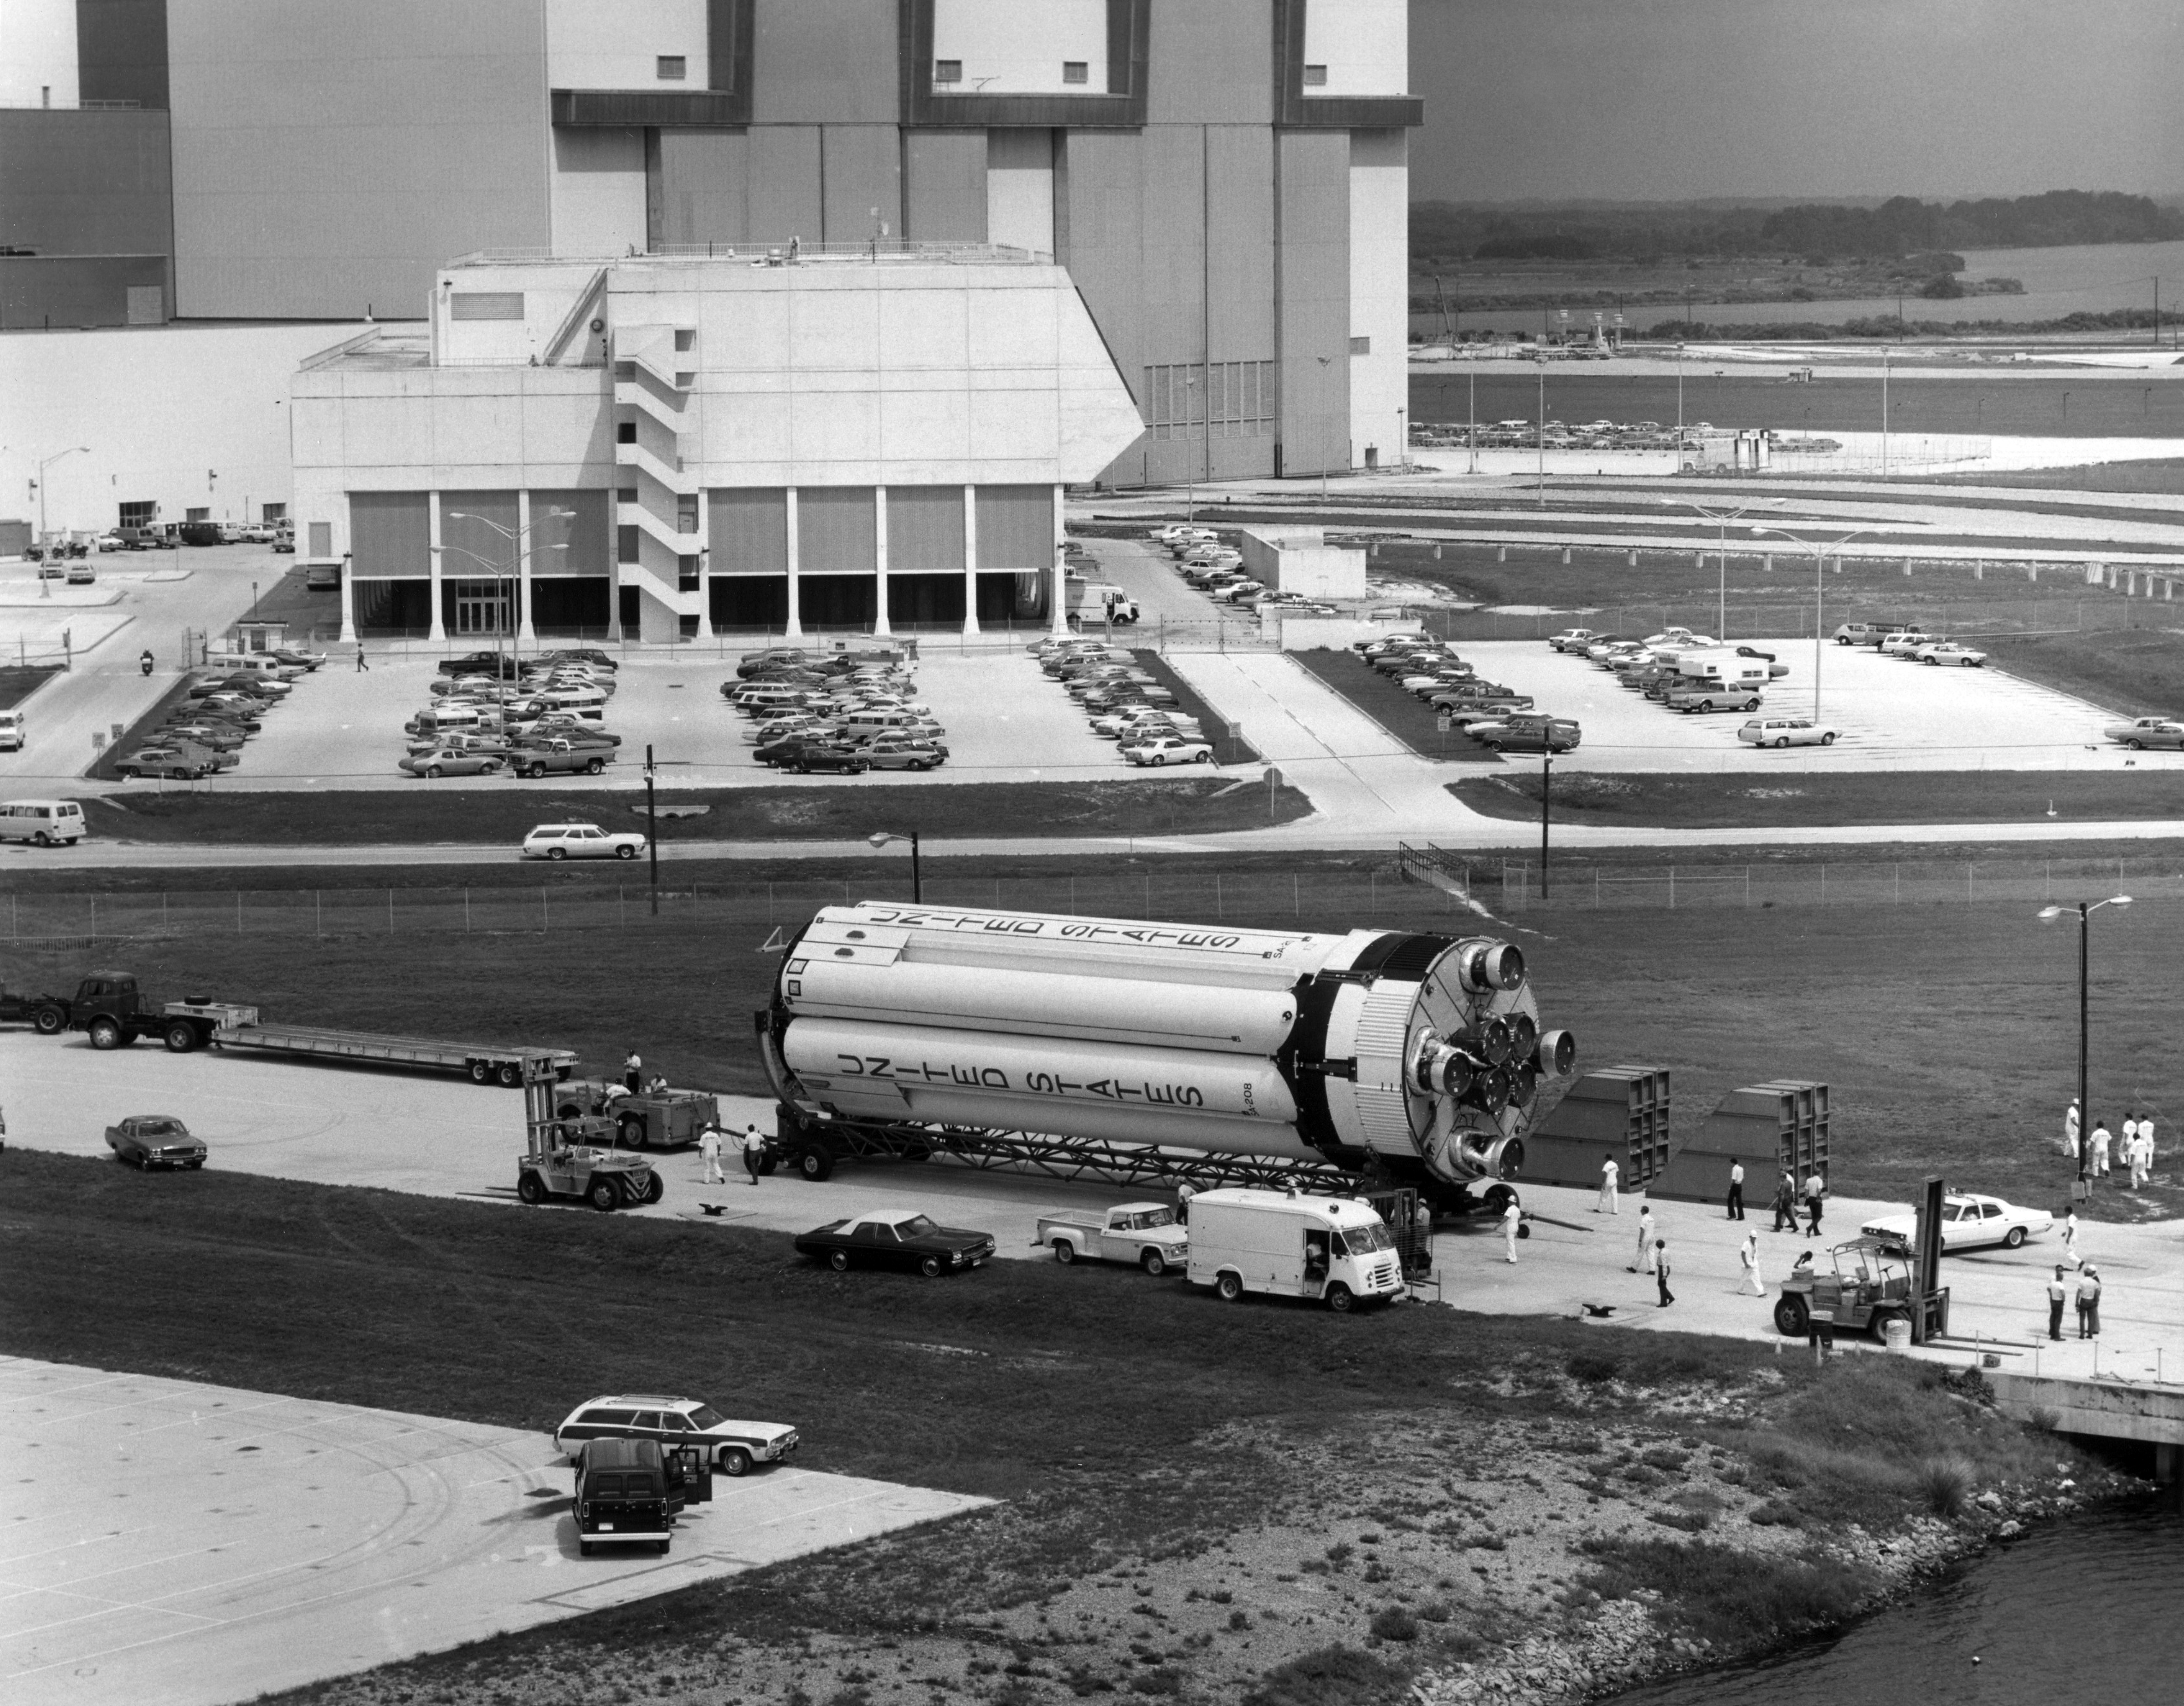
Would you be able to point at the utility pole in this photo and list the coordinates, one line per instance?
(1547, 797)
(652, 828)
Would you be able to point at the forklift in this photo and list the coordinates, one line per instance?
(574, 1158)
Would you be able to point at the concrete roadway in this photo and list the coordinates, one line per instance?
(191, 1544)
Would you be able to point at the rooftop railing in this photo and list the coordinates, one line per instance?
(789, 252)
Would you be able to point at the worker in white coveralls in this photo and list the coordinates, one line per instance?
(1748, 1259)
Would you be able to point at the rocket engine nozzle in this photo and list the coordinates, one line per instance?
(1557, 1053)
(1482, 967)
(1441, 1068)
(1493, 1042)
(1475, 1155)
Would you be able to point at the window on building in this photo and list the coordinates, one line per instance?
(1076, 71)
(1231, 400)
(947, 70)
(486, 304)
(685, 340)
(139, 514)
(1315, 76)
(197, 515)
(686, 574)
(624, 432)
(626, 544)
(626, 494)
(686, 512)
(673, 67)
(273, 512)
(1360, 346)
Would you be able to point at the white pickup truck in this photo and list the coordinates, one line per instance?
(1144, 1233)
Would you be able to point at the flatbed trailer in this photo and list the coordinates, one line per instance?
(227, 1026)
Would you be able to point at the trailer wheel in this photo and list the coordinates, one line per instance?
(655, 1188)
(603, 1195)
(511, 1076)
(1339, 1299)
(1065, 1252)
(481, 1072)
(49, 1022)
(1154, 1263)
(1791, 1318)
(105, 1035)
(815, 1163)
(735, 1462)
(930, 1267)
(839, 1260)
(531, 1189)
(1229, 1288)
(182, 1037)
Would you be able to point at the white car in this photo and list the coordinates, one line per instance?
(1571, 639)
(1949, 654)
(579, 841)
(1785, 731)
(1966, 1223)
(1115, 725)
(1167, 749)
(736, 1448)
(108, 542)
(2149, 730)
(1907, 642)
(1678, 637)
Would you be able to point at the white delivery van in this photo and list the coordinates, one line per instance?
(1331, 1248)
(48, 823)
(14, 731)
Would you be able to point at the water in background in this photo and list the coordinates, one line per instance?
(2086, 1613)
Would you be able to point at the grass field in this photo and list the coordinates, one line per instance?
(1946, 1031)
(1746, 799)
(1406, 717)
(1172, 1466)
(16, 685)
(1228, 749)
(2162, 476)
(499, 811)
(2139, 672)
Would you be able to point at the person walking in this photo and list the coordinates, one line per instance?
(632, 1073)
(1661, 1272)
(1785, 1203)
(1737, 1190)
(2070, 1240)
(2089, 1303)
(1643, 1262)
(1184, 1193)
(2141, 1157)
(362, 667)
(709, 1149)
(1512, 1217)
(2127, 1140)
(1609, 1203)
(2070, 1130)
(2146, 1142)
(1748, 1259)
(1815, 1188)
(754, 1152)
(2056, 1293)
(2099, 1143)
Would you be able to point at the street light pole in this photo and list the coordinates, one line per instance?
(1546, 795)
(1724, 517)
(881, 838)
(2084, 911)
(1820, 548)
(72, 450)
(652, 828)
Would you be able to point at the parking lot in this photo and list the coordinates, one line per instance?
(183, 1543)
(1892, 715)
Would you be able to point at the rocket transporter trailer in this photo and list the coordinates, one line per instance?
(1143, 1051)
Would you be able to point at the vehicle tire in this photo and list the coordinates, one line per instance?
(920, 764)
(42, 839)
(1339, 1299)
(434, 772)
(593, 767)
(1065, 1252)
(179, 774)
(629, 1131)
(1751, 705)
(815, 1163)
(557, 852)
(182, 1037)
(930, 1267)
(1781, 742)
(1932, 662)
(1202, 758)
(2136, 744)
(49, 1022)
(531, 1189)
(534, 772)
(481, 1072)
(625, 851)
(105, 1035)
(1791, 1316)
(1229, 1288)
(1491, 745)
(583, 1548)
(603, 1195)
(2014, 1238)
(839, 1260)
(1878, 1325)
(568, 1110)
(1841, 640)
(655, 1187)
(1153, 1263)
(510, 1076)
(1829, 738)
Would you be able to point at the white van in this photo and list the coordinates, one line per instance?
(439, 721)
(1289, 1245)
(45, 823)
(863, 725)
(14, 731)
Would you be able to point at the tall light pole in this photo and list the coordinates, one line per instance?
(1725, 517)
(2084, 911)
(513, 574)
(1543, 429)
(881, 838)
(1820, 548)
(72, 450)
(1884, 401)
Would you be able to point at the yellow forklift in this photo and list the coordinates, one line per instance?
(573, 1157)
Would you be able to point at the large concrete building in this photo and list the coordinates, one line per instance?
(665, 446)
(1223, 180)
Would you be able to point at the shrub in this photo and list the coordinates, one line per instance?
(1592, 1367)
(1161, 1679)
(1394, 1623)
(1330, 1676)
(1728, 1596)
(1688, 1521)
(1239, 1620)
(1946, 1483)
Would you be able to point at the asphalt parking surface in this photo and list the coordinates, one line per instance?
(184, 1543)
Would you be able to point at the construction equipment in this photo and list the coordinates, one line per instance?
(1868, 1285)
(642, 1119)
(575, 1158)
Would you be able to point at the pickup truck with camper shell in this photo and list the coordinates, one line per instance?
(1142, 1233)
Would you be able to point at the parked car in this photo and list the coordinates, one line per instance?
(904, 752)
(830, 757)
(215, 735)
(108, 542)
(1786, 731)
(1694, 701)
(1527, 731)
(82, 575)
(1868, 634)
(285, 543)
(562, 757)
(1968, 1222)
(2150, 732)
(736, 1448)
(1904, 644)
(1571, 639)
(453, 760)
(1678, 637)
(1167, 749)
(297, 659)
(581, 841)
(1950, 655)
(147, 1140)
(896, 1238)
(176, 763)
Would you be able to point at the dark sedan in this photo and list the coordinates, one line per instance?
(896, 1238)
(155, 1140)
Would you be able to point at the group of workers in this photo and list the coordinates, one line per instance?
(712, 1137)
(2135, 1152)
